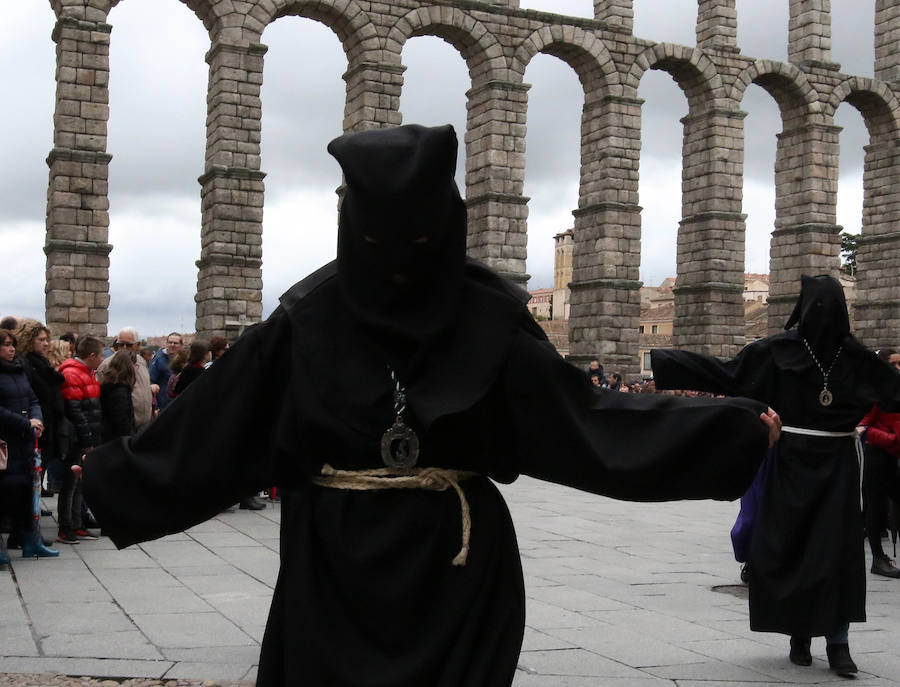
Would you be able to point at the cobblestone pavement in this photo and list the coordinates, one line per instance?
(622, 594)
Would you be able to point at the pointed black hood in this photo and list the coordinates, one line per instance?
(821, 313)
(401, 231)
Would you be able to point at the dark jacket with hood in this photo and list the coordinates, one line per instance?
(367, 595)
(18, 406)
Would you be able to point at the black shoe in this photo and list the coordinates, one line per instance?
(745, 573)
(800, 651)
(46, 513)
(252, 503)
(882, 565)
(839, 660)
(14, 541)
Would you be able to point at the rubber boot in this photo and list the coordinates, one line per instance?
(4, 556)
(33, 547)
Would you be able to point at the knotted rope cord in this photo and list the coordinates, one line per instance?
(430, 479)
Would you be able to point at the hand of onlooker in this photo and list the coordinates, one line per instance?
(773, 420)
(154, 389)
(37, 426)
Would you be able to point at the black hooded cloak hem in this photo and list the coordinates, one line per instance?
(807, 562)
(366, 594)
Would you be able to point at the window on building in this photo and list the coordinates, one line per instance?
(645, 365)
(654, 329)
(641, 328)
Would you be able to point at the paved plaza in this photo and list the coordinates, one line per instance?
(622, 594)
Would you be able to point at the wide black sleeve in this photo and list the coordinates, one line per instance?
(747, 374)
(214, 444)
(640, 447)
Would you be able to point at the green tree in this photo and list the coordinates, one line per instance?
(849, 246)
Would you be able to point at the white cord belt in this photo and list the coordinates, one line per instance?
(860, 456)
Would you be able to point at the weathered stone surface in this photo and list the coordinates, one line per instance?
(498, 39)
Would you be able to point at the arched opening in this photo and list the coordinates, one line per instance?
(157, 140)
(763, 28)
(761, 127)
(852, 42)
(849, 211)
(552, 160)
(301, 112)
(670, 21)
(434, 91)
(27, 125)
(659, 186)
(568, 8)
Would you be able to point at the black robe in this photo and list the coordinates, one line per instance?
(366, 594)
(807, 572)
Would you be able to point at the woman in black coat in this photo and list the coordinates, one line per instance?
(33, 344)
(115, 396)
(20, 421)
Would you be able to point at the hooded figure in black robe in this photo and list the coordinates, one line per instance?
(404, 587)
(807, 566)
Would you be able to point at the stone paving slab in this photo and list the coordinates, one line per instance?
(621, 594)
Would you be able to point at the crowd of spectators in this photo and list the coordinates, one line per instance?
(59, 399)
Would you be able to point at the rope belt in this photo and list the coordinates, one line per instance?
(860, 455)
(430, 479)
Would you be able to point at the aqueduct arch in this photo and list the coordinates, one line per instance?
(497, 39)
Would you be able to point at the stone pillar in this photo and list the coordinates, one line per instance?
(887, 40)
(77, 240)
(709, 304)
(229, 280)
(495, 175)
(373, 96)
(605, 304)
(877, 311)
(806, 239)
(717, 25)
(809, 33)
(615, 13)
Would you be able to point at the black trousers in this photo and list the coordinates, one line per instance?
(881, 481)
(16, 500)
(69, 502)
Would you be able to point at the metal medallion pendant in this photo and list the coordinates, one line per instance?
(399, 445)
(825, 397)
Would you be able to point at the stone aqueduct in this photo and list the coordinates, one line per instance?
(497, 40)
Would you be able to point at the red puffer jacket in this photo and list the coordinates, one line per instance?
(884, 430)
(81, 392)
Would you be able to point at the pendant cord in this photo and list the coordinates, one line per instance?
(819, 365)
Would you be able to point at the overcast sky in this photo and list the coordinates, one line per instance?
(157, 138)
